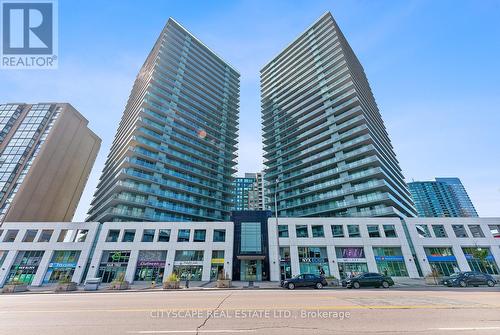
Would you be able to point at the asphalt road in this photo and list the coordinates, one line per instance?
(392, 311)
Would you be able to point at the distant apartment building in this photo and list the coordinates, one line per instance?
(174, 154)
(444, 197)
(327, 151)
(249, 192)
(46, 155)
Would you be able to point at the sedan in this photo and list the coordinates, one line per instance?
(469, 278)
(368, 279)
(305, 280)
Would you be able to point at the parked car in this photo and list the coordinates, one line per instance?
(368, 279)
(305, 280)
(469, 278)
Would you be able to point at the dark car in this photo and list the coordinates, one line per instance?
(305, 280)
(469, 278)
(368, 279)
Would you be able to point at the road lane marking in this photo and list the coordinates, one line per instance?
(466, 328)
(216, 331)
(271, 308)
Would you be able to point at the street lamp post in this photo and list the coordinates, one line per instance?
(277, 226)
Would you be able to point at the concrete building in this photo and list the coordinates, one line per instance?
(41, 253)
(444, 197)
(327, 151)
(448, 244)
(342, 247)
(249, 192)
(46, 155)
(38, 253)
(152, 251)
(174, 154)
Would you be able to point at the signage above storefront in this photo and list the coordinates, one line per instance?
(313, 260)
(151, 263)
(188, 263)
(62, 265)
(389, 258)
(351, 260)
(217, 260)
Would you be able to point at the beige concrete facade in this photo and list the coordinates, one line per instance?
(54, 183)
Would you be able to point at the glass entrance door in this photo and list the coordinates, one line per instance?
(251, 270)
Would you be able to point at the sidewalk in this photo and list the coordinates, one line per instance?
(202, 285)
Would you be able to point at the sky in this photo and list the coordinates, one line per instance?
(433, 67)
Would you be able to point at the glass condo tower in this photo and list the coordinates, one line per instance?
(326, 148)
(173, 157)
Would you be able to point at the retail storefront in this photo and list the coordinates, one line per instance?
(390, 261)
(285, 263)
(150, 265)
(351, 261)
(25, 266)
(188, 264)
(481, 259)
(62, 266)
(313, 260)
(217, 264)
(442, 260)
(113, 264)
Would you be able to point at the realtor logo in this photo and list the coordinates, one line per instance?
(29, 34)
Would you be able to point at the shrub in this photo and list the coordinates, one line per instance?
(173, 277)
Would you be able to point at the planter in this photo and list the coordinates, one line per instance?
(65, 287)
(122, 285)
(14, 288)
(223, 283)
(171, 285)
(429, 280)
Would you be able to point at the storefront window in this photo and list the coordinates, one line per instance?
(164, 235)
(390, 230)
(313, 260)
(10, 236)
(423, 231)
(113, 235)
(338, 230)
(351, 261)
(148, 235)
(439, 231)
(495, 230)
(25, 266)
(390, 261)
(30, 235)
(285, 263)
(459, 230)
(128, 235)
(188, 264)
(150, 265)
(219, 235)
(217, 264)
(183, 235)
(81, 235)
(301, 231)
(353, 230)
(373, 231)
(283, 230)
(113, 264)
(45, 235)
(318, 231)
(62, 266)
(442, 261)
(476, 231)
(199, 235)
(349, 269)
(481, 259)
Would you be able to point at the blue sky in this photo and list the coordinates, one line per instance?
(432, 65)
